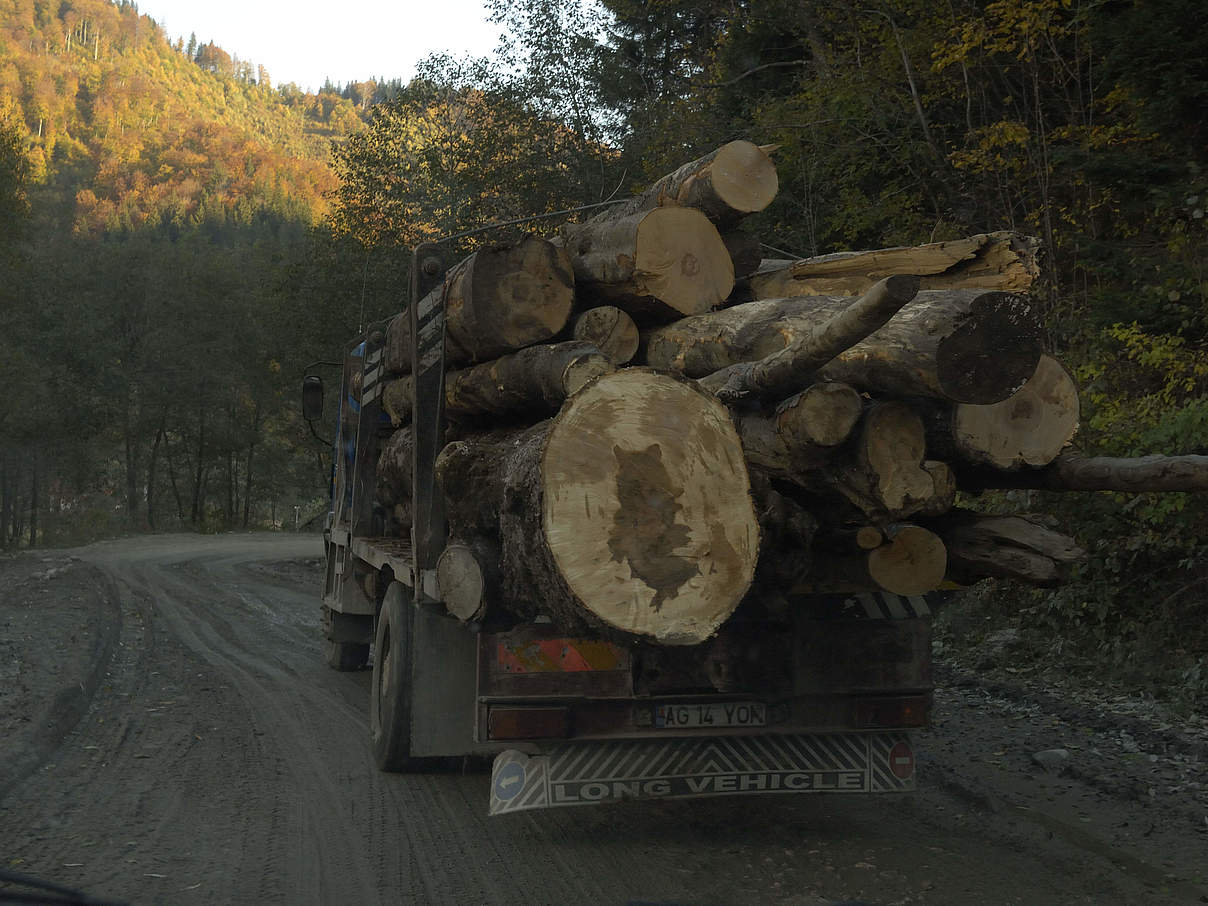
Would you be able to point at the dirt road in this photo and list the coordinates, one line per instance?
(168, 734)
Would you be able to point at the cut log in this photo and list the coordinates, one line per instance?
(1002, 261)
(726, 185)
(1028, 428)
(912, 561)
(1072, 472)
(959, 345)
(801, 431)
(663, 263)
(629, 512)
(610, 330)
(467, 574)
(885, 477)
(499, 299)
(533, 381)
(1011, 547)
(394, 472)
(784, 371)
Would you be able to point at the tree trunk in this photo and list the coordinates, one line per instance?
(533, 382)
(1002, 261)
(1028, 428)
(960, 345)
(34, 502)
(783, 372)
(501, 298)
(656, 264)
(726, 184)
(152, 463)
(610, 330)
(1011, 547)
(199, 475)
(1072, 472)
(628, 512)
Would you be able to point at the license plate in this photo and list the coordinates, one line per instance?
(712, 714)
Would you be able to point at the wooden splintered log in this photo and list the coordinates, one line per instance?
(534, 381)
(1073, 472)
(499, 299)
(885, 477)
(802, 432)
(610, 330)
(911, 561)
(726, 184)
(665, 262)
(628, 512)
(784, 371)
(1028, 428)
(1012, 547)
(960, 345)
(1002, 261)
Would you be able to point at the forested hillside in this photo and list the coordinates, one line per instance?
(182, 236)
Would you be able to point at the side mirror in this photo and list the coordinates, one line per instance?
(312, 397)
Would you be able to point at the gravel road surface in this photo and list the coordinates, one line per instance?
(169, 734)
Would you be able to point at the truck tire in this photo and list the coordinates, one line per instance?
(390, 693)
(345, 656)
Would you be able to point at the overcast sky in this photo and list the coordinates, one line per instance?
(306, 42)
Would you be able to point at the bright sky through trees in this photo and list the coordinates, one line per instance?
(305, 41)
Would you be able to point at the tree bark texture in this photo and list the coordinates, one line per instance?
(629, 512)
(1012, 547)
(532, 382)
(658, 264)
(499, 299)
(802, 431)
(959, 345)
(1072, 472)
(1004, 261)
(783, 372)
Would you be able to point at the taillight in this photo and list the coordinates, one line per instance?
(887, 712)
(528, 723)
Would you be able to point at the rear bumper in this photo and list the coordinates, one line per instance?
(590, 773)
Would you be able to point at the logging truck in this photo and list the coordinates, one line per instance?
(580, 598)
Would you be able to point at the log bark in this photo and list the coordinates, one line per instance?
(959, 345)
(663, 263)
(499, 299)
(533, 381)
(1002, 261)
(1072, 472)
(394, 472)
(727, 184)
(610, 330)
(784, 371)
(746, 252)
(628, 513)
(1010, 547)
(1028, 428)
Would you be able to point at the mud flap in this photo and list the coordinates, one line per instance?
(589, 773)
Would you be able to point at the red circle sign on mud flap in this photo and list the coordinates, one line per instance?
(901, 760)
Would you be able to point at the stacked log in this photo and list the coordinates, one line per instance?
(636, 445)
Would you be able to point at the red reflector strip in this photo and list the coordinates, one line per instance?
(557, 655)
(528, 723)
(892, 712)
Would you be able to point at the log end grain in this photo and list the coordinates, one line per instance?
(822, 415)
(913, 561)
(743, 176)
(992, 352)
(610, 330)
(646, 506)
(680, 260)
